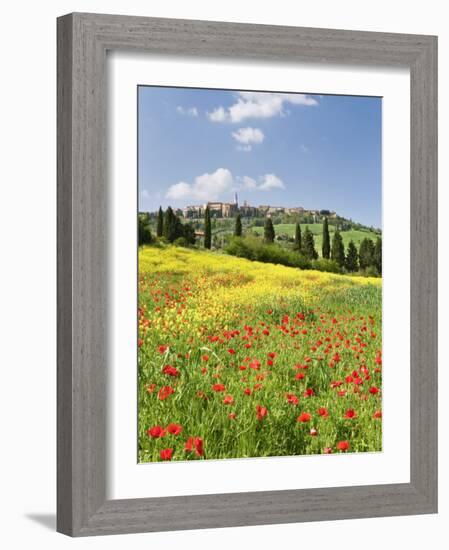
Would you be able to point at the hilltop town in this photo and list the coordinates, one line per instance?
(231, 209)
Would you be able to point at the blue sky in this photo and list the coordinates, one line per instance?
(315, 151)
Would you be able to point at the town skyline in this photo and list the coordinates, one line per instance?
(231, 208)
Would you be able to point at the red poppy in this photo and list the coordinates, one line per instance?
(165, 392)
(218, 387)
(196, 444)
(377, 414)
(166, 454)
(261, 412)
(140, 342)
(291, 398)
(231, 351)
(156, 432)
(304, 417)
(343, 445)
(174, 429)
(309, 392)
(254, 364)
(228, 400)
(163, 349)
(271, 355)
(170, 370)
(299, 376)
(322, 411)
(151, 388)
(205, 358)
(373, 390)
(327, 450)
(232, 416)
(313, 432)
(350, 413)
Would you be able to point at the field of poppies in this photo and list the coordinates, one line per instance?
(246, 359)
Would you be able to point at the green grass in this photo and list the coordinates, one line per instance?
(317, 230)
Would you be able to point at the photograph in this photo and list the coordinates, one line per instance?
(259, 283)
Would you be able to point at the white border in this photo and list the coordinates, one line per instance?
(127, 479)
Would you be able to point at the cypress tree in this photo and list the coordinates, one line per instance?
(207, 229)
(378, 255)
(169, 228)
(298, 244)
(308, 245)
(238, 226)
(326, 249)
(352, 258)
(338, 249)
(269, 231)
(366, 253)
(160, 223)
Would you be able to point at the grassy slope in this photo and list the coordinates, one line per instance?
(317, 230)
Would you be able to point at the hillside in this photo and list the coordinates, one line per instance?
(317, 230)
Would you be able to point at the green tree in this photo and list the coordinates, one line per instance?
(188, 233)
(269, 233)
(308, 245)
(377, 256)
(238, 226)
(366, 253)
(326, 249)
(169, 228)
(160, 223)
(338, 249)
(207, 229)
(298, 243)
(352, 258)
(144, 231)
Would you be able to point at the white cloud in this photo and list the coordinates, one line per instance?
(249, 183)
(190, 111)
(204, 187)
(248, 136)
(220, 184)
(144, 194)
(218, 115)
(259, 105)
(270, 181)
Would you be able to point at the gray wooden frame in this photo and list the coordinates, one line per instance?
(83, 40)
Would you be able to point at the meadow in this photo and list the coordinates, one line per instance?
(316, 229)
(246, 359)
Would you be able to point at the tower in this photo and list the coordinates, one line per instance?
(236, 201)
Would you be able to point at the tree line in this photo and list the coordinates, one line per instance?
(169, 228)
(367, 257)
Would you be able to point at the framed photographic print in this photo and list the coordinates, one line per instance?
(246, 274)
